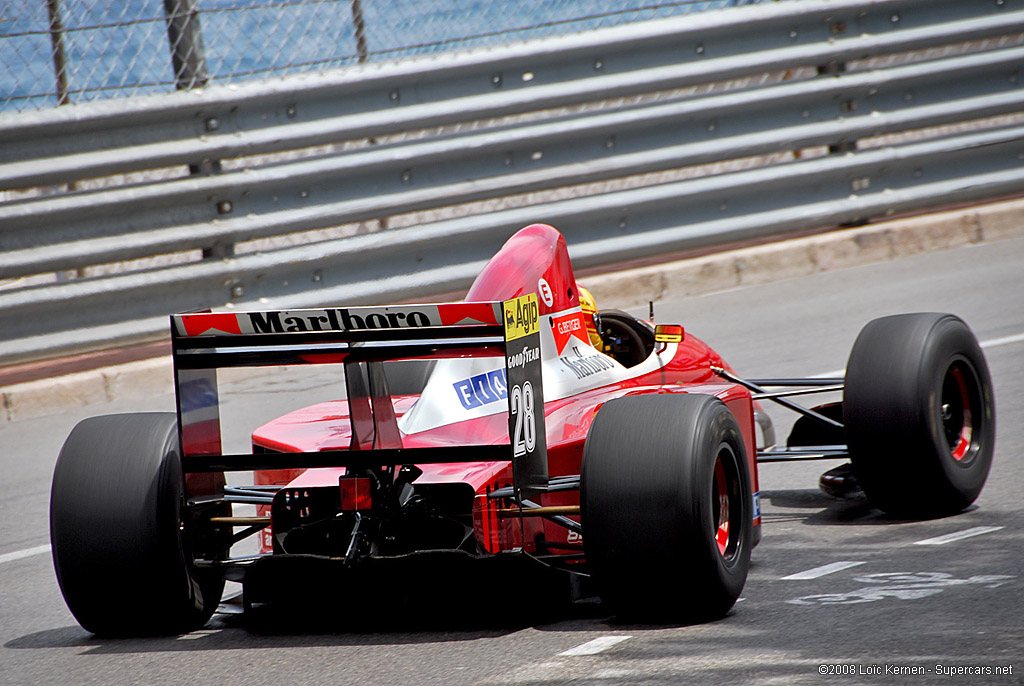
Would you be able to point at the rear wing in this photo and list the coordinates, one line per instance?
(361, 339)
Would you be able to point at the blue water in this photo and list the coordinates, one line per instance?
(120, 47)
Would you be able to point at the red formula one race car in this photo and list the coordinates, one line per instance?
(516, 432)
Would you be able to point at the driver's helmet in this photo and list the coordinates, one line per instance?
(591, 317)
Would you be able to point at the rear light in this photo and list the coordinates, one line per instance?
(355, 493)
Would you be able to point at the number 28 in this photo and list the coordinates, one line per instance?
(524, 435)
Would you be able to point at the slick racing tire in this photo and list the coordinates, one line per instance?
(920, 414)
(666, 507)
(120, 546)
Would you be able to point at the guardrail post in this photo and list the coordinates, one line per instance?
(219, 251)
(188, 58)
(834, 68)
(359, 24)
(188, 55)
(57, 42)
(363, 55)
(60, 72)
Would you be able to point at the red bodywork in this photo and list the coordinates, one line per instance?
(535, 260)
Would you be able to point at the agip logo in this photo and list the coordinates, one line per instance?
(522, 316)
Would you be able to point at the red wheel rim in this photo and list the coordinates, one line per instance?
(724, 492)
(722, 527)
(956, 414)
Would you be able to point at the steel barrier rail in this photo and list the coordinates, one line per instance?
(363, 185)
(824, 106)
(625, 224)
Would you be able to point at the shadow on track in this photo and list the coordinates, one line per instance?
(329, 622)
(812, 507)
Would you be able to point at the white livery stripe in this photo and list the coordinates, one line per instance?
(598, 645)
(956, 536)
(22, 554)
(822, 571)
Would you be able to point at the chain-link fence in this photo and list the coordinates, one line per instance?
(68, 51)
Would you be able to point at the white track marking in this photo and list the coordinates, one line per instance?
(196, 635)
(967, 533)
(1005, 340)
(822, 571)
(598, 645)
(22, 554)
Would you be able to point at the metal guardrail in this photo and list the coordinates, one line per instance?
(794, 78)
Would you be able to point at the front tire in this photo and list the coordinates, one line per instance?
(666, 507)
(117, 529)
(920, 414)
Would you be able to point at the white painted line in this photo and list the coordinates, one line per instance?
(598, 645)
(967, 533)
(822, 571)
(196, 635)
(1005, 340)
(835, 373)
(22, 554)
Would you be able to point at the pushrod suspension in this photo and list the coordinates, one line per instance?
(781, 401)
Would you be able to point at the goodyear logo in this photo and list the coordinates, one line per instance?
(522, 316)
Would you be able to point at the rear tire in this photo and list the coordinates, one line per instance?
(119, 541)
(920, 414)
(666, 507)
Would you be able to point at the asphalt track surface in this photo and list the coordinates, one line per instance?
(838, 592)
